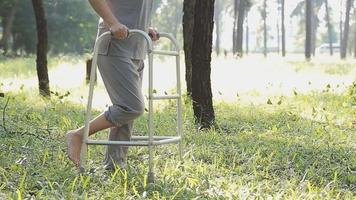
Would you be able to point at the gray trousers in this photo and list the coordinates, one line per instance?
(122, 78)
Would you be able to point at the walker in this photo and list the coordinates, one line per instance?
(151, 140)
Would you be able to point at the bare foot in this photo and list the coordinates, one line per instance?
(74, 144)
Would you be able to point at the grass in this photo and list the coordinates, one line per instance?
(301, 147)
(297, 147)
(327, 67)
(25, 67)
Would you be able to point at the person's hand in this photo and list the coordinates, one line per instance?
(119, 31)
(153, 34)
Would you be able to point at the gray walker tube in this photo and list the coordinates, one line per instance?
(150, 141)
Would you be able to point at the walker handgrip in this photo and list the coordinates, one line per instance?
(132, 32)
(145, 35)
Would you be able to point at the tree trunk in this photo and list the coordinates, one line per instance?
(314, 25)
(8, 22)
(247, 35)
(283, 30)
(240, 27)
(265, 28)
(217, 25)
(278, 38)
(188, 28)
(202, 12)
(345, 37)
(42, 44)
(355, 45)
(329, 27)
(234, 32)
(340, 25)
(355, 36)
(308, 29)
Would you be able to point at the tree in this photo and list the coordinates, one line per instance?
(328, 24)
(308, 28)
(8, 13)
(218, 16)
(240, 24)
(197, 29)
(283, 28)
(345, 37)
(234, 29)
(247, 34)
(42, 44)
(240, 29)
(355, 35)
(300, 11)
(264, 18)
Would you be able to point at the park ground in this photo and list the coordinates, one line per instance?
(286, 129)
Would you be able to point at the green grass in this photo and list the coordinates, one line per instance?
(302, 147)
(25, 67)
(332, 68)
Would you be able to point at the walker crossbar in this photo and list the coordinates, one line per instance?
(150, 141)
(136, 142)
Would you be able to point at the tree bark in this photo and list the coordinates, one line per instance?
(8, 22)
(314, 25)
(265, 28)
(283, 29)
(278, 38)
(247, 35)
(42, 45)
(308, 29)
(217, 25)
(345, 37)
(200, 58)
(340, 25)
(355, 37)
(234, 32)
(329, 27)
(240, 28)
(188, 28)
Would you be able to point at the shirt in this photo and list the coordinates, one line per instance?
(135, 14)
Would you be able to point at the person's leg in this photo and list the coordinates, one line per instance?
(116, 154)
(75, 137)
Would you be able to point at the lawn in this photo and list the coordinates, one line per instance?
(301, 146)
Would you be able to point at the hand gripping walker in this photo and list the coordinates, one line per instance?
(150, 141)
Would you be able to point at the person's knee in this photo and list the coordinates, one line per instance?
(119, 115)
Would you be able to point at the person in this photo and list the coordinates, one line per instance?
(120, 63)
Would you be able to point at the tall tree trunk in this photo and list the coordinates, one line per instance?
(283, 29)
(234, 31)
(308, 29)
(340, 25)
(327, 16)
(247, 34)
(217, 25)
(265, 28)
(345, 37)
(314, 24)
(200, 57)
(240, 27)
(188, 28)
(8, 22)
(355, 35)
(355, 44)
(42, 44)
(278, 38)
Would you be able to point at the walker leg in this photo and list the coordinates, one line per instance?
(150, 175)
(84, 148)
